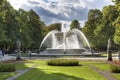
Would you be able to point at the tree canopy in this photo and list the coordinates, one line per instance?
(28, 27)
(75, 24)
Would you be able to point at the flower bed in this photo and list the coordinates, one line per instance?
(7, 67)
(115, 67)
(8, 61)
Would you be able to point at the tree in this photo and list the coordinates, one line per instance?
(55, 26)
(94, 20)
(36, 27)
(117, 31)
(75, 24)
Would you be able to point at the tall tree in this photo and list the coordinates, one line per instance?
(117, 31)
(36, 26)
(94, 20)
(55, 26)
(75, 24)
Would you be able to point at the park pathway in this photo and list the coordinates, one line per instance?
(105, 74)
(20, 72)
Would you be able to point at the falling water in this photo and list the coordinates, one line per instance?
(65, 39)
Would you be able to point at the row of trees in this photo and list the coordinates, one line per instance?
(23, 25)
(102, 25)
(30, 30)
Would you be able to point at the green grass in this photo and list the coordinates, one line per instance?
(104, 67)
(116, 75)
(19, 66)
(45, 72)
(24, 65)
(5, 75)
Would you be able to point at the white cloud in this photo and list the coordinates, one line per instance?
(57, 10)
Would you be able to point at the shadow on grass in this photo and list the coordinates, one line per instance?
(45, 74)
(5, 75)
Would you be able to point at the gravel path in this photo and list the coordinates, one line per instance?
(105, 74)
(20, 72)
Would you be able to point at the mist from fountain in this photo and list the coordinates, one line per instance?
(65, 40)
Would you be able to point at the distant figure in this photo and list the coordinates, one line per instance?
(3, 52)
(0, 53)
(30, 53)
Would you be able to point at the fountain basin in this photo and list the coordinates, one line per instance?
(66, 51)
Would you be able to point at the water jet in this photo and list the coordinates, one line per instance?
(66, 41)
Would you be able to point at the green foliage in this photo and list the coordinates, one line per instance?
(75, 24)
(63, 62)
(115, 68)
(117, 31)
(94, 21)
(55, 26)
(7, 67)
(23, 25)
(100, 26)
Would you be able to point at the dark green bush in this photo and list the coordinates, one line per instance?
(7, 67)
(63, 62)
(115, 68)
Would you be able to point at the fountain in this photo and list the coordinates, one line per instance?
(65, 42)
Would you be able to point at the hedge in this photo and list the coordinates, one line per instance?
(7, 67)
(115, 68)
(63, 62)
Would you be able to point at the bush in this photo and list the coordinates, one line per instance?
(7, 67)
(63, 62)
(115, 68)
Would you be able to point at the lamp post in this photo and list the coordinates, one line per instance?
(18, 54)
(109, 52)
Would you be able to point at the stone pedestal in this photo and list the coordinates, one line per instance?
(109, 51)
(18, 54)
(119, 55)
(109, 55)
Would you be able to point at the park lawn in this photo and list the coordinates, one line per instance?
(106, 67)
(45, 72)
(5, 75)
(102, 66)
(24, 64)
(19, 66)
(116, 75)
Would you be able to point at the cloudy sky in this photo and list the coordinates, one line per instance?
(51, 11)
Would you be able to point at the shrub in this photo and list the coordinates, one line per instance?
(115, 68)
(7, 67)
(63, 62)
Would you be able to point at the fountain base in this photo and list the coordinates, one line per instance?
(66, 51)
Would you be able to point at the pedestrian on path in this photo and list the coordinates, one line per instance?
(3, 52)
(30, 53)
(0, 53)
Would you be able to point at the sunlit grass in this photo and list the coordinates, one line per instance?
(5, 75)
(45, 72)
(25, 64)
(116, 75)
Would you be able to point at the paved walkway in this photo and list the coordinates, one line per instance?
(105, 74)
(20, 72)
(7, 57)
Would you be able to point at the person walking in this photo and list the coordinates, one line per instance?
(30, 53)
(0, 53)
(3, 52)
